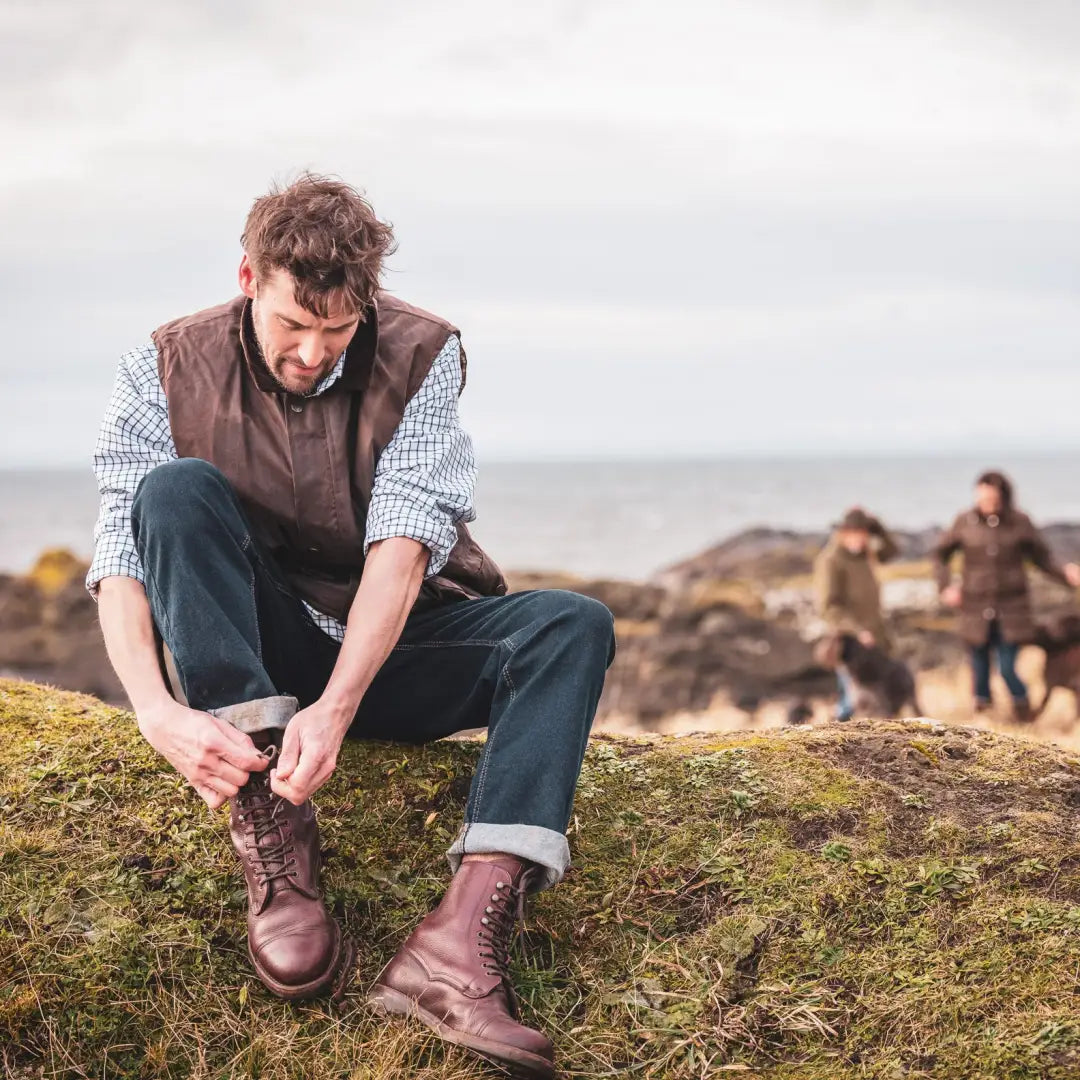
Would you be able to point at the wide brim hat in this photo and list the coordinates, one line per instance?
(856, 518)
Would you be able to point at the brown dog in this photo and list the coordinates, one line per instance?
(1059, 638)
(881, 686)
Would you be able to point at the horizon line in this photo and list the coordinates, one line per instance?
(694, 457)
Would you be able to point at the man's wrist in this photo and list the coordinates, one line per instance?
(341, 705)
(149, 708)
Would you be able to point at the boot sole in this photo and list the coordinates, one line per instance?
(336, 978)
(519, 1063)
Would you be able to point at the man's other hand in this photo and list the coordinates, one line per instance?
(951, 596)
(209, 753)
(309, 752)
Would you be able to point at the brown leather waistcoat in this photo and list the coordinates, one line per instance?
(303, 467)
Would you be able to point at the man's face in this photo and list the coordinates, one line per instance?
(855, 540)
(299, 348)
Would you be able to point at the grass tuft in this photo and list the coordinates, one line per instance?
(882, 900)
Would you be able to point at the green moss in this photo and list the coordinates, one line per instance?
(883, 900)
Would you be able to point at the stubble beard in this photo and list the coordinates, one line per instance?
(275, 365)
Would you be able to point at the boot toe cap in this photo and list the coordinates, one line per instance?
(510, 1033)
(297, 957)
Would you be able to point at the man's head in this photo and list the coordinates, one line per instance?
(313, 254)
(853, 530)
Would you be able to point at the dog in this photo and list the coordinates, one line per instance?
(800, 713)
(1059, 638)
(881, 686)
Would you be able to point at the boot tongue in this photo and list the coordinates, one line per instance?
(270, 827)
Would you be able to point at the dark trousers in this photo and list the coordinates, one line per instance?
(528, 667)
(1006, 658)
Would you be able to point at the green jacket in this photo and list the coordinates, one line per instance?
(848, 594)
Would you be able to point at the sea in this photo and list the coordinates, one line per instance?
(623, 519)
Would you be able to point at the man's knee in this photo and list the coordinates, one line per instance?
(587, 621)
(173, 490)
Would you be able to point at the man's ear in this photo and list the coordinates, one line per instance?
(249, 286)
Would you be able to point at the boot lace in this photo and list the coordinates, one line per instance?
(497, 924)
(259, 809)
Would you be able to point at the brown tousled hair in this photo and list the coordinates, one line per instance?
(995, 479)
(325, 235)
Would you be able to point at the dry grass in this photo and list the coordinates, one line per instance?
(881, 900)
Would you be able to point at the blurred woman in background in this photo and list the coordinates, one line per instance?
(993, 598)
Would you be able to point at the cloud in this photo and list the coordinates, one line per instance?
(768, 202)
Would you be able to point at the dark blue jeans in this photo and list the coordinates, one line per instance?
(528, 667)
(845, 705)
(1006, 658)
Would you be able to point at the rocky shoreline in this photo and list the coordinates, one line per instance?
(725, 635)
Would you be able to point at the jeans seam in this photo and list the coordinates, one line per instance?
(446, 644)
(245, 545)
(481, 779)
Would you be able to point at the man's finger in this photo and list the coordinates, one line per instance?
(210, 797)
(307, 778)
(303, 776)
(230, 773)
(237, 748)
(290, 753)
(287, 790)
(221, 787)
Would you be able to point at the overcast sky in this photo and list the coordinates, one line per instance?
(664, 228)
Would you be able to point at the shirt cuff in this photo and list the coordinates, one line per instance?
(116, 564)
(439, 541)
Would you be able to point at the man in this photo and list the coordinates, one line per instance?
(284, 485)
(849, 598)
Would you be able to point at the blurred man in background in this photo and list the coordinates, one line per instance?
(848, 595)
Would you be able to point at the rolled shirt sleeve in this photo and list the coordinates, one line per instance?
(426, 476)
(134, 438)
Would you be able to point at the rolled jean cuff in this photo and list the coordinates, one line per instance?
(545, 847)
(259, 714)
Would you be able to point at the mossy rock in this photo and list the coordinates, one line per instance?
(56, 568)
(886, 900)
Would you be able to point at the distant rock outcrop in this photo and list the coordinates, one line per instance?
(734, 624)
(49, 629)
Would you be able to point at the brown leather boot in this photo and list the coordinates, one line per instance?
(297, 947)
(453, 971)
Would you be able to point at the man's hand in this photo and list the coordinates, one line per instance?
(1072, 574)
(951, 596)
(867, 638)
(209, 753)
(309, 751)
